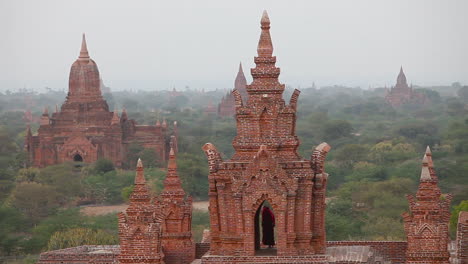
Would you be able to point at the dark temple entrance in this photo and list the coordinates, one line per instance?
(77, 158)
(264, 230)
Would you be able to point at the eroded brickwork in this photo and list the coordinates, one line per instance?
(266, 168)
(427, 223)
(462, 238)
(402, 94)
(140, 227)
(157, 229)
(84, 129)
(177, 243)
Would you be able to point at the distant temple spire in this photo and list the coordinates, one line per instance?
(401, 79)
(84, 49)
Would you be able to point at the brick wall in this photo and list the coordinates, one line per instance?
(389, 250)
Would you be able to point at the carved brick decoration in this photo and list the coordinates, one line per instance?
(402, 94)
(140, 227)
(85, 130)
(177, 243)
(227, 107)
(266, 168)
(427, 223)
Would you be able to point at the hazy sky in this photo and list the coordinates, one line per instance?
(158, 44)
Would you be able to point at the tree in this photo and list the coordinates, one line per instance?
(463, 93)
(35, 200)
(335, 129)
(350, 154)
(461, 207)
(103, 166)
(81, 236)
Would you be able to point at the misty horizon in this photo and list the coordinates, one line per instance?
(158, 45)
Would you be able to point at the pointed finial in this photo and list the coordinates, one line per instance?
(425, 172)
(265, 47)
(46, 111)
(139, 177)
(428, 151)
(158, 124)
(164, 123)
(84, 49)
(240, 67)
(265, 19)
(172, 164)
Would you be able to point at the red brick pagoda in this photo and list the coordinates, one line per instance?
(266, 170)
(427, 223)
(85, 130)
(176, 208)
(157, 229)
(140, 227)
(402, 94)
(227, 106)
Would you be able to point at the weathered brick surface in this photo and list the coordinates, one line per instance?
(84, 129)
(393, 251)
(140, 227)
(427, 223)
(401, 93)
(266, 167)
(462, 239)
(81, 255)
(306, 259)
(177, 243)
(227, 107)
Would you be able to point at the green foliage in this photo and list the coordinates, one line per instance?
(81, 236)
(335, 129)
(107, 187)
(103, 166)
(12, 223)
(200, 222)
(35, 200)
(126, 191)
(461, 207)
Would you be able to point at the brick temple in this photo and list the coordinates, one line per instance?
(227, 106)
(84, 130)
(427, 223)
(157, 230)
(266, 168)
(402, 94)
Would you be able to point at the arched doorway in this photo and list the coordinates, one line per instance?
(77, 158)
(265, 230)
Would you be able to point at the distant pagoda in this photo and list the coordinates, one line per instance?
(402, 94)
(84, 130)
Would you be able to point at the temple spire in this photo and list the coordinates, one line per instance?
(139, 177)
(172, 183)
(265, 46)
(84, 49)
(115, 118)
(401, 79)
(425, 173)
